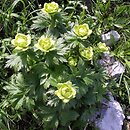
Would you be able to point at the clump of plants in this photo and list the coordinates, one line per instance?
(54, 77)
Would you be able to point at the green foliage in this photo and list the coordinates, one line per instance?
(30, 77)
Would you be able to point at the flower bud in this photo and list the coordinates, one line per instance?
(102, 47)
(72, 61)
(87, 53)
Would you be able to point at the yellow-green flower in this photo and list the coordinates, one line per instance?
(65, 91)
(72, 61)
(102, 47)
(82, 30)
(51, 7)
(45, 44)
(87, 53)
(21, 41)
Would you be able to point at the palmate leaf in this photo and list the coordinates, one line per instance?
(59, 74)
(16, 85)
(90, 97)
(49, 116)
(40, 21)
(55, 58)
(15, 91)
(12, 89)
(82, 88)
(16, 61)
(18, 101)
(20, 93)
(87, 113)
(68, 116)
(88, 81)
(61, 47)
(40, 69)
(50, 120)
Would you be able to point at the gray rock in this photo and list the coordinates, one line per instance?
(113, 117)
(117, 69)
(107, 37)
(112, 67)
(128, 117)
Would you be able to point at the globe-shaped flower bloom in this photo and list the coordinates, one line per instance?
(87, 53)
(51, 7)
(72, 61)
(65, 91)
(82, 31)
(45, 44)
(21, 41)
(102, 47)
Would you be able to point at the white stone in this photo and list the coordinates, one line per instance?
(117, 68)
(113, 68)
(106, 38)
(112, 118)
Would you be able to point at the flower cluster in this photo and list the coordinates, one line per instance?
(82, 31)
(21, 41)
(59, 65)
(87, 53)
(102, 47)
(51, 8)
(46, 44)
(72, 61)
(65, 91)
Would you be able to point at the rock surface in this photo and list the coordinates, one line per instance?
(110, 116)
(113, 117)
(113, 68)
(106, 38)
